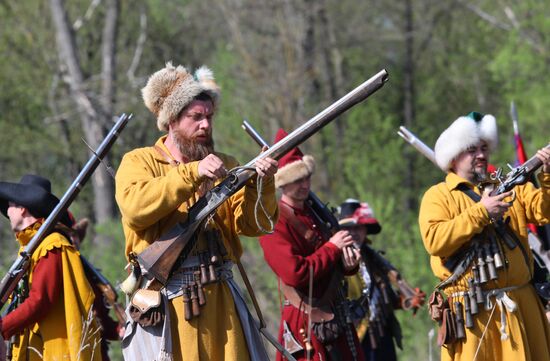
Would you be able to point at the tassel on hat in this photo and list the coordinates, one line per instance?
(171, 89)
(294, 165)
(463, 133)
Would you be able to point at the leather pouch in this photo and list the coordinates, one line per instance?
(447, 329)
(436, 305)
(146, 307)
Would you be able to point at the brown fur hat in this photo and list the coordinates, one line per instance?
(171, 89)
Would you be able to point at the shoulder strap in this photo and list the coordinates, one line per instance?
(469, 192)
(295, 223)
(170, 160)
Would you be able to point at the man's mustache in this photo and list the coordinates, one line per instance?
(208, 135)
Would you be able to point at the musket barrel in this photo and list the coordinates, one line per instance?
(18, 269)
(306, 130)
(417, 143)
(254, 134)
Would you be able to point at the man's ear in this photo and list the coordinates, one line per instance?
(452, 165)
(26, 213)
(22, 210)
(171, 125)
(174, 121)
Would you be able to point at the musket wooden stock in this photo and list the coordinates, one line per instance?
(110, 297)
(159, 258)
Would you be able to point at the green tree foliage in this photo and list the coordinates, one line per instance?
(279, 63)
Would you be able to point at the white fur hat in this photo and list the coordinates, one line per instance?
(463, 133)
(171, 89)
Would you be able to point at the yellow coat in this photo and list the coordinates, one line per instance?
(153, 196)
(69, 330)
(448, 219)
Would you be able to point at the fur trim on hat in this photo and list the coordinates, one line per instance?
(462, 134)
(295, 170)
(171, 89)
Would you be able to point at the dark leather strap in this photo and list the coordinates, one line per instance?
(172, 161)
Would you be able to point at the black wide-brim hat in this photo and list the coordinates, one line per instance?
(355, 213)
(34, 193)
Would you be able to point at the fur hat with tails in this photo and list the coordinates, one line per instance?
(171, 89)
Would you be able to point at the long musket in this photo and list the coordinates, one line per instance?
(159, 258)
(21, 264)
(417, 143)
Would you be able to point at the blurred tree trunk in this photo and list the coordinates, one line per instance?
(331, 65)
(408, 103)
(95, 115)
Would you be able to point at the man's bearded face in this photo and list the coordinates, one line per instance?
(190, 147)
(192, 132)
(472, 163)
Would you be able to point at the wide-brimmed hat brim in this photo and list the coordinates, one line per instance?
(373, 227)
(36, 199)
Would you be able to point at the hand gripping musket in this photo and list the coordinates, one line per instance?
(159, 258)
(411, 298)
(21, 264)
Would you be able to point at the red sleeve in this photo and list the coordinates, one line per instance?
(45, 290)
(285, 254)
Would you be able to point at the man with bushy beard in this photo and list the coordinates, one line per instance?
(155, 187)
(481, 240)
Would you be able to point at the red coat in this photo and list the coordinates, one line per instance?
(290, 255)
